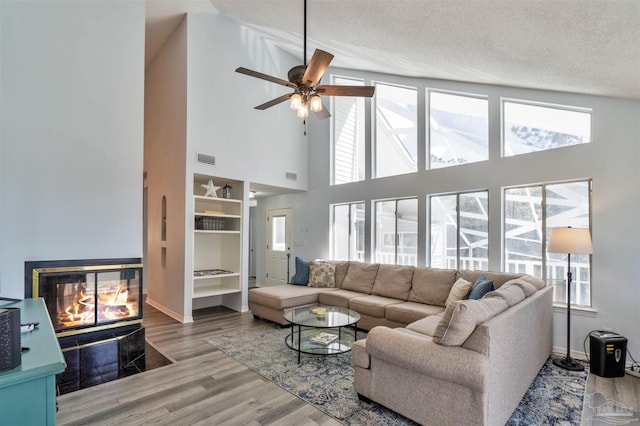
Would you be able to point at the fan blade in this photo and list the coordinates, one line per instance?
(275, 101)
(324, 113)
(366, 91)
(317, 66)
(257, 74)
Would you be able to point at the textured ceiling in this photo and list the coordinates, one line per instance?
(582, 46)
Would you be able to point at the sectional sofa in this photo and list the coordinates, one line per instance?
(432, 354)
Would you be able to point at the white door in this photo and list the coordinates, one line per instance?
(278, 246)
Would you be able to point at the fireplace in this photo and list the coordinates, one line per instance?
(87, 295)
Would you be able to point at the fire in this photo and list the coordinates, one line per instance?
(112, 305)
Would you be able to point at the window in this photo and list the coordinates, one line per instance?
(459, 231)
(347, 122)
(458, 129)
(348, 231)
(396, 231)
(530, 213)
(530, 127)
(279, 224)
(396, 139)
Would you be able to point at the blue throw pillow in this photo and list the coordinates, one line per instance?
(302, 272)
(481, 287)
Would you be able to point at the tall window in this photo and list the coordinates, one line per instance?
(347, 121)
(530, 213)
(348, 231)
(396, 139)
(458, 129)
(459, 231)
(396, 239)
(531, 127)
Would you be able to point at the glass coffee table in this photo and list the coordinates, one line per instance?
(321, 330)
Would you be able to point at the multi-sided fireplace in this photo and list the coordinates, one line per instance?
(83, 296)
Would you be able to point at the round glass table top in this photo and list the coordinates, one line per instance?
(320, 316)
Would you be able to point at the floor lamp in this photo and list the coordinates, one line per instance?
(577, 241)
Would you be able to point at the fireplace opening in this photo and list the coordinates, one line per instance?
(87, 295)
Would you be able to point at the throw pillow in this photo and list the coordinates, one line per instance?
(302, 272)
(481, 287)
(322, 274)
(459, 291)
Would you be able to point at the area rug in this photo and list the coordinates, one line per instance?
(326, 382)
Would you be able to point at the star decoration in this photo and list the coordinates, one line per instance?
(211, 189)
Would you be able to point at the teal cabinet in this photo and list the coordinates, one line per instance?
(28, 392)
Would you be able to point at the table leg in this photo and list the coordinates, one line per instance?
(299, 347)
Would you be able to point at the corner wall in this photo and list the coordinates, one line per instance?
(71, 114)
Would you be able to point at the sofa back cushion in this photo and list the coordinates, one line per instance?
(342, 266)
(498, 278)
(393, 281)
(461, 318)
(360, 277)
(431, 286)
(511, 293)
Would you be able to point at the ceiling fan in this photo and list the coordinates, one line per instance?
(304, 79)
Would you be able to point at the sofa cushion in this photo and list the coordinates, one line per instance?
(393, 281)
(342, 266)
(426, 326)
(301, 276)
(408, 312)
(338, 297)
(322, 274)
(284, 296)
(512, 294)
(431, 286)
(459, 291)
(372, 305)
(527, 288)
(481, 287)
(461, 318)
(537, 282)
(498, 278)
(360, 277)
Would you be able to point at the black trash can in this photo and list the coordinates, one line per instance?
(608, 353)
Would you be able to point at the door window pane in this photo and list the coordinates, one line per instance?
(278, 233)
(396, 136)
(348, 231)
(385, 251)
(340, 232)
(473, 238)
(522, 229)
(530, 128)
(444, 241)
(458, 129)
(348, 134)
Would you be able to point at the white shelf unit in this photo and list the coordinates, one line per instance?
(217, 246)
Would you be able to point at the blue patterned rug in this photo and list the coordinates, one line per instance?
(554, 398)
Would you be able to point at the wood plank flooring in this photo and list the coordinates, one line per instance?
(206, 387)
(202, 387)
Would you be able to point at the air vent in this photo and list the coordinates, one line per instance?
(291, 175)
(206, 159)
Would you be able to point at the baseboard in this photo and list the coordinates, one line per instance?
(176, 316)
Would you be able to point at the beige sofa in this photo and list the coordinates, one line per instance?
(431, 355)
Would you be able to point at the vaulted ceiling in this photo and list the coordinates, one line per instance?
(581, 46)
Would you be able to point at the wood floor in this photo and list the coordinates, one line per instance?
(206, 387)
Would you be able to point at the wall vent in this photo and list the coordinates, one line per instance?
(291, 175)
(206, 159)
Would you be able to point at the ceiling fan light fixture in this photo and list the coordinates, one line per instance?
(303, 111)
(315, 103)
(296, 101)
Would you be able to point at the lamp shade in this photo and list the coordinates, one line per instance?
(570, 240)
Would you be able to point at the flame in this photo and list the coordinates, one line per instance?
(111, 305)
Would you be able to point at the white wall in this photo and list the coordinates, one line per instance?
(252, 145)
(611, 160)
(165, 163)
(72, 81)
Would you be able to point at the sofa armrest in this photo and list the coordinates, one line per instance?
(422, 355)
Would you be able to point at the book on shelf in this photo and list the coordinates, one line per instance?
(323, 338)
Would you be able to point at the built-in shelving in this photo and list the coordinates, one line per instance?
(217, 245)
